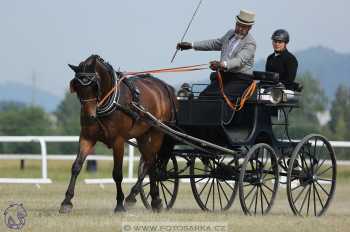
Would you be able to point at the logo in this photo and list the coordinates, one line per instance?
(15, 216)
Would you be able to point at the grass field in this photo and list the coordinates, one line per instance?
(93, 205)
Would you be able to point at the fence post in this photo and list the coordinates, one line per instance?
(131, 162)
(43, 158)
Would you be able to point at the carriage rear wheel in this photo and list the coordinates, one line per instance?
(167, 183)
(213, 181)
(311, 176)
(258, 180)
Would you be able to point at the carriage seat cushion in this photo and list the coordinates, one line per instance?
(266, 76)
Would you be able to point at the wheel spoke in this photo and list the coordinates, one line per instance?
(308, 201)
(164, 196)
(213, 193)
(267, 201)
(204, 187)
(229, 185)
(261, 201)
(196, 181)
(322, 189)
(251, 203)
(206, 202)
(324, 171)
(302, 204)
(199, 169)
(265, 180)
(267, 187)
(304, 161)
(256, 199)
(217, 186)
(144, 185)
(296, 187)
(223, 191)
(319, 166)
(166, 188)
(314, 195)
(172, 181)
(318, 195)
(249, 192)
(300, 193)
(148, 195)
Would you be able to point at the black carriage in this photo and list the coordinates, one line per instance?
(249, 152)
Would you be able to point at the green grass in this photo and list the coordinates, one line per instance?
(93, 205)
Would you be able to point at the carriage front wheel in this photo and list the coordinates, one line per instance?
(213, 181)
(166, 180)
(311, 176)
(258, 180)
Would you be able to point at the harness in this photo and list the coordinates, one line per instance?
(112, 102)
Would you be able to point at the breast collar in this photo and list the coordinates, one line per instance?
(113, 100)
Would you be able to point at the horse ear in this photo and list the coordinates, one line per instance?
(71, 87)
(74, 68)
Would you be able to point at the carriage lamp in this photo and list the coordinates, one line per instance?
(277, 95)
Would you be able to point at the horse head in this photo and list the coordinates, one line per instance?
(87, 85)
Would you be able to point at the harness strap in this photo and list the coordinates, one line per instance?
(248, 92)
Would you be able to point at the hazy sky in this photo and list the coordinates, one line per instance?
(42, 36)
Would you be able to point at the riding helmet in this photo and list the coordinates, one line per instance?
(281, 35)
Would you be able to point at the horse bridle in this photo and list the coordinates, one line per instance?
(87, 79)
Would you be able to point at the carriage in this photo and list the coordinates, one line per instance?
(223, 152)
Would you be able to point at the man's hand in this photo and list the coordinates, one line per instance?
(216, 65)
(183, 46)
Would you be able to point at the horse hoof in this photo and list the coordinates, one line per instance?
(119, 209)
(157, 205)
(130, 201)
(66, 208)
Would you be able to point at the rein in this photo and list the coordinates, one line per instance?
(248, 92)
(164, 70)
(234, 106)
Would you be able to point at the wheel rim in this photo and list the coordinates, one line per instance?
(258, 180)
(168, 185)
(311, 177)
(214, 189)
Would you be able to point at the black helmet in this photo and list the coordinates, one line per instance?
(281, 35)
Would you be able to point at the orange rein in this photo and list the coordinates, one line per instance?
(246, 95)
(177, 69)
(248, 92)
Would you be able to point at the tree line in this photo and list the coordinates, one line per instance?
(20, 119)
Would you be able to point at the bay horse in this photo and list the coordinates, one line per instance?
(115, 122)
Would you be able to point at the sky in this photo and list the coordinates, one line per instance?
(40, 37)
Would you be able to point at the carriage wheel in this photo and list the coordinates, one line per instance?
(168, 184)
(311, 176)
(258, 180)
(213, 182)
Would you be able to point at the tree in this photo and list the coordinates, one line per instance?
(68, 121)
(68, 115)
(340, 114)
(17, 119)
(304, 120)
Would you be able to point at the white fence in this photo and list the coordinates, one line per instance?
(43, 140)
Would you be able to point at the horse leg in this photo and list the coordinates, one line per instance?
(149, 144)
(85, 148)
(118, 152)
(130, 200)
(156, 202)
(164, 155)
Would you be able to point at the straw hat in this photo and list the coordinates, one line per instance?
(246, 17)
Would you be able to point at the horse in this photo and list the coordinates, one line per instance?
(115, 121)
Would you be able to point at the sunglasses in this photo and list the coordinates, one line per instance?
(278, 41)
